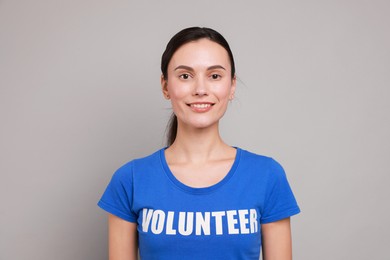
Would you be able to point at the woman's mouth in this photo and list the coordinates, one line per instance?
(201, 107)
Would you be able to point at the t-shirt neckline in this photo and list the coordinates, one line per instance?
(203, 190)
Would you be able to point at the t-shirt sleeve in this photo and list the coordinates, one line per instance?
(118, 197)
(279, 200)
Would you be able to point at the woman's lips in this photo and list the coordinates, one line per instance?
(201, 107)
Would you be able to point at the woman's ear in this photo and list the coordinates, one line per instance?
(233, 88)
(164, 87)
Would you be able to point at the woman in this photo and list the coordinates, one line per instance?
(199, 198)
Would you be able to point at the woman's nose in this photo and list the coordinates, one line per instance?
(200, 87)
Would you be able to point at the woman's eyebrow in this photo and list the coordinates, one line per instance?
(216, 67)
(184, 68)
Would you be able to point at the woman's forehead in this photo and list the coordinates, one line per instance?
(201, 52)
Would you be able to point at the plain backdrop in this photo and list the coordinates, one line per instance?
(80, 96)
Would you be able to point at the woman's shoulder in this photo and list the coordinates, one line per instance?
(139, 162)
(256, 157)
(264, 162)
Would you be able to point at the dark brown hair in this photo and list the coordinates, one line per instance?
(178, 40)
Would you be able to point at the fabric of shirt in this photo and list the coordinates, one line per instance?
(222, 221)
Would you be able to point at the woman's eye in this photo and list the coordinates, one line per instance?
(184, 76)
(215, 76)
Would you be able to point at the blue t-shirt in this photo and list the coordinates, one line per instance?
(222, 221)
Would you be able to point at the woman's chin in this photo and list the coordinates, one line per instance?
(201, 124)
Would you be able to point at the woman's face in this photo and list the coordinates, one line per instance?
(199, 83)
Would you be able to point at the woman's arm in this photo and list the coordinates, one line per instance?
(277, 243)
(122, 239)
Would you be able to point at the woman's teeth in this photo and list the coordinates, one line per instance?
(200, 105)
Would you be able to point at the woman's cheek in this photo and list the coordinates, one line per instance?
(179, 90)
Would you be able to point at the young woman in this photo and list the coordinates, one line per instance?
(199, 198)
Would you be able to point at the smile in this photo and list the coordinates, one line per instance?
(200, 107)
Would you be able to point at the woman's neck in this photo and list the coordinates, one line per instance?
(198, 146)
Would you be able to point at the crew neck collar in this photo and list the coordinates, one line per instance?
(203, 190)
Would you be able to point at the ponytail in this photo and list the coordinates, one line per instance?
(172, 129)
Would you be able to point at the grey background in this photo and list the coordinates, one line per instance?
(80, 96)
